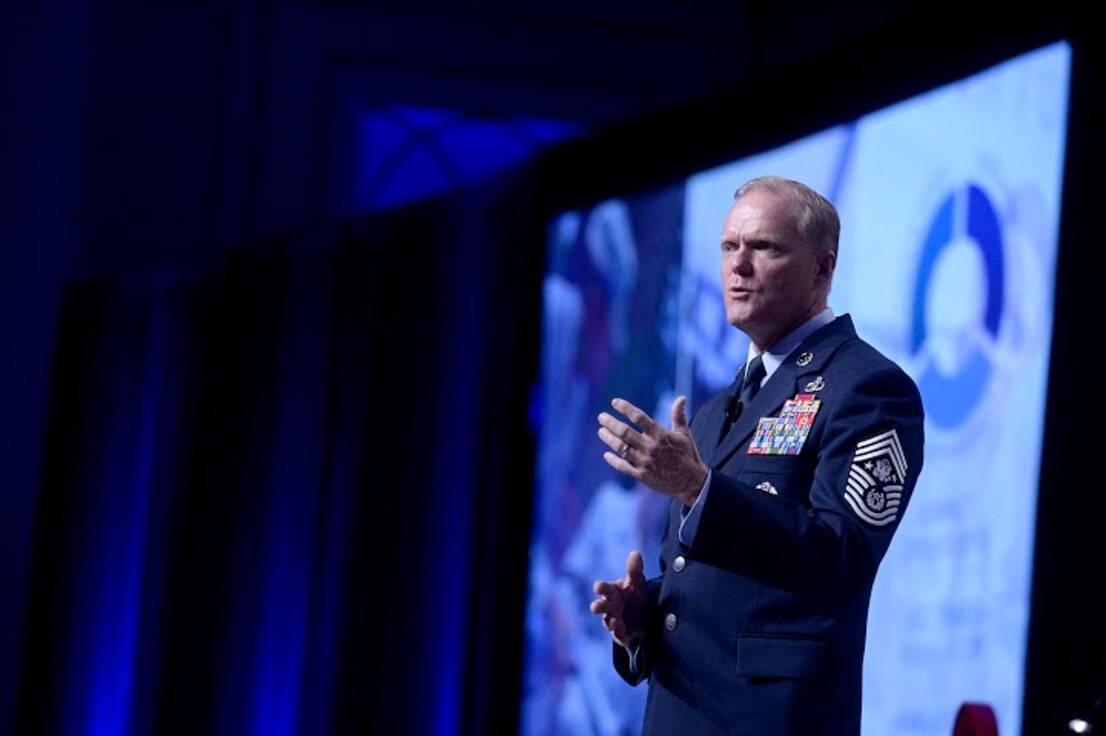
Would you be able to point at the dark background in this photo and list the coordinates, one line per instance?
(265, 408)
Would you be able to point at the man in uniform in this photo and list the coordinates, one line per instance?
(786, 491)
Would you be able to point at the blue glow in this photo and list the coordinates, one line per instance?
(124, 529)
(421, 172)
(480, 149)
(290, 554)
(408, 153)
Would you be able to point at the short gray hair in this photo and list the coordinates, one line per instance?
(818, 224)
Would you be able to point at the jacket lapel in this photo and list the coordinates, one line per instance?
(783, 385)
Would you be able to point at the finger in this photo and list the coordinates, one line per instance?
(637, 416)
(617, 629)
(606, 588)
(621, 431)
(635, 567)
(623, 466)
(620, 446)
(606, 607)
(679, 415)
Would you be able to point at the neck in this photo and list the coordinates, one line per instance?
(761, 343)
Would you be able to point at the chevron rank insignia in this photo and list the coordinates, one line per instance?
(876, 478)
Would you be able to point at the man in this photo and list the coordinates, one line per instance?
(786, 490)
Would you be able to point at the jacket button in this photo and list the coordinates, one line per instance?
(679, 563)
(670, 622)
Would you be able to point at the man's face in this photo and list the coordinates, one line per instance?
(772, 280)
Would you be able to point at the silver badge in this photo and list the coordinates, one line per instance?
(876, 478)
(805, 359)
(767, 488)
(816, 385)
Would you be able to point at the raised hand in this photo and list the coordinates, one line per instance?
(666, 460)
(622, 603)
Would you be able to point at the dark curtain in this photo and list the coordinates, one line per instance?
(288, 491)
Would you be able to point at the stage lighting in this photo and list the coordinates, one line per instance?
(1086, 720)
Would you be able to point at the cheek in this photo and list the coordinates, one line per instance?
(788, 279)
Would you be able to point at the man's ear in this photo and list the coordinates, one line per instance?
(827, 262)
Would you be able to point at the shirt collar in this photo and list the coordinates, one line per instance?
(774, 356)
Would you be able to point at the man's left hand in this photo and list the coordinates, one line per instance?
(665, 460)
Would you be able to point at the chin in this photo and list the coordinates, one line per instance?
(741, 320)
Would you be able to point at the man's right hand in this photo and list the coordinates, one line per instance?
(622, 603)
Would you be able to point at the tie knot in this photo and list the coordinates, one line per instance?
(754, 374)
(755, 367)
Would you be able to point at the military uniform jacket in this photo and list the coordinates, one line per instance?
(758, 627)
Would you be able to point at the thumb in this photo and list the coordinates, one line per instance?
(635, 566)
(679, 417)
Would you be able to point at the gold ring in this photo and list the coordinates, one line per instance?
(625, 449)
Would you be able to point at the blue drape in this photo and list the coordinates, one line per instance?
(268, 486)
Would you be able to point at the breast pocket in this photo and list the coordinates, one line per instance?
(789, 476)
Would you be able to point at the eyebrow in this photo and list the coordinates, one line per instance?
(758, 240)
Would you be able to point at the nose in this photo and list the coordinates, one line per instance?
(738, 261)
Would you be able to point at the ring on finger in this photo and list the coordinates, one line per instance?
(623, 452)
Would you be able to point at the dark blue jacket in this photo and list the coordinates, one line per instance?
(758, 627)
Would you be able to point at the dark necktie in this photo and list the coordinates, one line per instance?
(754, 374)
(750, 384)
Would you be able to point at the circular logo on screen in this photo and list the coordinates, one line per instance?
(958, 304)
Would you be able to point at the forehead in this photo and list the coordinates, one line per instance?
(762, 213)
